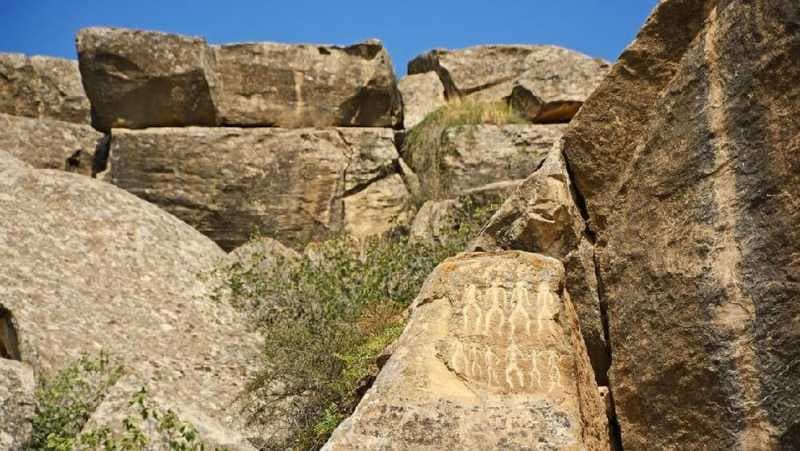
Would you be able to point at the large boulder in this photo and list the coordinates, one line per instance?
(472, 156)
(42, 87)
(89, 267)
(294, 185)
(489, 72)
(491, 359)
(17, 403)
(51, 144)
(688, 159)
(270, 84)
(542, 217)
(138, 79)
(422, 94)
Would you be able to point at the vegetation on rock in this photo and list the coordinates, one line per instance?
(326, 320)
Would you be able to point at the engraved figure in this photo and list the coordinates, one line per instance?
(522, 308)
(536, 375)
(472, 310)
(553, 360)
(495, 315)
(546, 301)
(475, 362)
(513, 372)
(491, 376)
(458, 360)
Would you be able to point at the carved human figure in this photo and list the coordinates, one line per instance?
(521, 313)
(472, 312)
(514, 376)
(536, 375)
(553, 360)
(546, 303)
(495, 317)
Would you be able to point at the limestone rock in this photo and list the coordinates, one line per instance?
(687, 157)
(307, 85)
(138, 79)
(491, 359)
(293, 185)
(42, 87)
(117, 407)
(422, 94)
(472, 156)
(89, 267)
(51, 144)
(541, 216)
(524, 100)
(489, 72)
(17, 401)
(264, 251)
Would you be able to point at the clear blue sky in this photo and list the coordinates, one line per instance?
(407, 27)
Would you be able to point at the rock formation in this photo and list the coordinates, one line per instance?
(42, 87)
(491, 359)
(97, 269)
(17, 387)
(687, 158)
(422, 94)
(292, 185)
(473, 156)
(51, 144)
(541, 216)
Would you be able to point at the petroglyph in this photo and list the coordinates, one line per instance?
(502, 336)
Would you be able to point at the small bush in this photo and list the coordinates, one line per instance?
(326, 319)
(425, 147)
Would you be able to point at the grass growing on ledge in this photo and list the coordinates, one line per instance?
(326, 319)
(425, 145)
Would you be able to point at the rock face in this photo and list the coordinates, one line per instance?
(488, 72)
(50, 144)
(264, 251)
(691, 173)
(90, 267)
(42, 87)
(523, 100)
(294, 86)
(541, 216)
(138, 79)
(293, 185)
(491, 359)
(17, 388)
(472, 156)
(422, 94)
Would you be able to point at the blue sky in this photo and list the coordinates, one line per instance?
(407, 28)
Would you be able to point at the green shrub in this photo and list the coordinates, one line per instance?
(66, 401)
(425, 145)
(326, 319)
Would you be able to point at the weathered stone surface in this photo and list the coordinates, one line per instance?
(17, 401)
(488, 72)
(138, 79)
(50, 144)
(541, 216)
(307, 85)
(117, 407)
(264, 251)
(293, 185)
(687, 157)
(524, 100)
(491, 359)
(472, 156)
(42, 87)
(89, 267)
(422, 94)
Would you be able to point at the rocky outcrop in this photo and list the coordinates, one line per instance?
(268, 84)
(51, 144)
(687, 158)
(264, 252)
(138, 79)
(89, 267)
(472, 156)
(42, 87)
(523, 100)
(17, 403)
(541, 216)
(489, 72)
(293, 185)
(491, 359)
(422, 94)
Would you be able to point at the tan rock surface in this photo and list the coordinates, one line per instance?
(687, 157)
(293, 185)
(422, 94)
(306, 85)
(17, 402)
(138, 79)
(50, 144)
(42, 87)
(491, 359)
(541, 216)
(489, 72)
(90, 267)
(473, 156)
